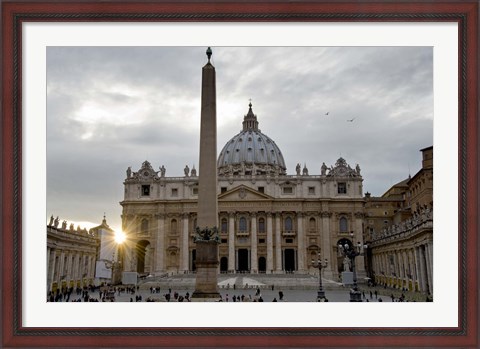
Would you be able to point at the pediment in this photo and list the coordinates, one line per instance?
(243, 192)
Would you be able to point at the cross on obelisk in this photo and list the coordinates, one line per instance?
(206, 238)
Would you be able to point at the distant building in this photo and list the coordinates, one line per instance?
(399, 230)
(107, 253)
(71, 256)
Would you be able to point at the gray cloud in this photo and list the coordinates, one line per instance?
(110, 108)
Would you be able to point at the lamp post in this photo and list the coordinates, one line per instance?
(352, 253)
(320, 265)
(115, 265)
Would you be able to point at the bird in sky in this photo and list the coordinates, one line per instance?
(327, 113)
(351, 120)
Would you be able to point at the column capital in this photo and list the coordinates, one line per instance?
(252, 214)
(326, 214)
(269, 214)
(185, 215)
(231, 214)
(160, 215)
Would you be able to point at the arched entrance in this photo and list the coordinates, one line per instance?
(289, 259)
(141, 255)
(262, 265)
(243, 260)
(223, 264)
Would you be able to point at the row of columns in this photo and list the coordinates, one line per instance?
(69, 266)
(409, 265)
(273, 239)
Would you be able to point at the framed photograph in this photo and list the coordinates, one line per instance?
(52, 50)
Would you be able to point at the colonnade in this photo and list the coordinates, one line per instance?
(410, 267)
(69, 268)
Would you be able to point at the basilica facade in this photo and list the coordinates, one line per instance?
(269, 221)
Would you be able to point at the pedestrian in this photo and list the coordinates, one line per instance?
(371, 294)
(392, 297)
(274, 299)
(280, 295)
(260, 299)
(375, 294)
(363, 294)
(380, 300)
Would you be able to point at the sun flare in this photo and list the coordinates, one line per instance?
(120, 237)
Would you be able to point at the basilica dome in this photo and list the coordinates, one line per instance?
(250, 152)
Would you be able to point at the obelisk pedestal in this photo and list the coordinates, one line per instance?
(206, 239)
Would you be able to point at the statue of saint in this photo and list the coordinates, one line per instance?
(298, 169)
(357, 168)
(129, 172)
(51, 221)
(64, 225)
(324, 169)
(193, 173)
(162, 171)
(186, 170)
(56, 222)
(305, 170)
(346, 264)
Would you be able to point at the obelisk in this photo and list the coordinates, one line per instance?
(206, 238)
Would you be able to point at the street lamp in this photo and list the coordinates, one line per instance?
(352, 253)
(114, 265)
(320, 265)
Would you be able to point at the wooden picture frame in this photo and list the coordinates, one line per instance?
(464, 13)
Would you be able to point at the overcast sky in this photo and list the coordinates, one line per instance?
(113, 107)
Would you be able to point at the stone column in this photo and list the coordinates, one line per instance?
(269, 243)
(159, 245)
(429, 264)
(51, 270)
(326, 245)
(360, 260)
(184, 248)
(253, 241)
(231, 242)
(278, 244)
(421, 268)
(301, 243)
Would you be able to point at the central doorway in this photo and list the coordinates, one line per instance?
(223, 264)
(289, 255)
(243, 260)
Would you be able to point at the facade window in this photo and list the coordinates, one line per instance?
(224, 241)
(223, 190)
(261, 225)
(145, 190)
(173, 225)
(174, 192)
(343, 225)
(311, 190)
(144, 226)
(243, 224)
(261, 241)
(289, 241)
(312, 224)
(261, 189)
(195, 191)
(288, 224)
(288, 190)
(342, 188)
(224, 223)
